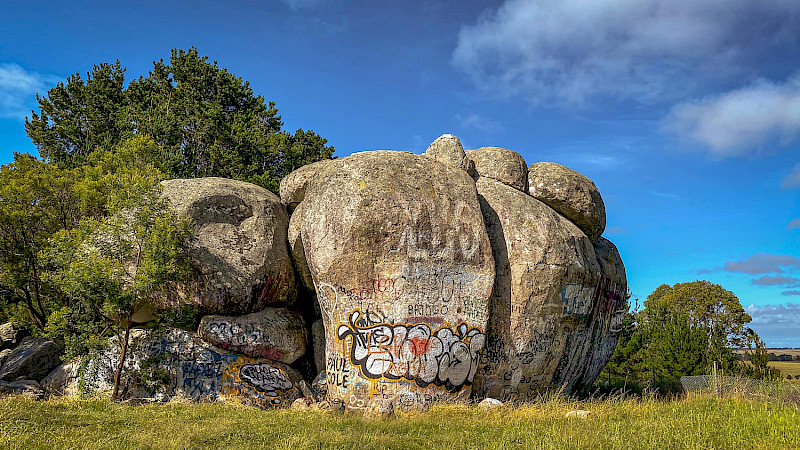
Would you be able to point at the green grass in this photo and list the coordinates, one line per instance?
(697, 422)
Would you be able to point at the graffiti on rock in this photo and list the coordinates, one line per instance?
(265, 378)
(577, 299)
(413, 352)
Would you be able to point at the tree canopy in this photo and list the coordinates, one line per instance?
(204, 121)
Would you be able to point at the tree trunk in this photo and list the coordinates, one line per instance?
(122, 357)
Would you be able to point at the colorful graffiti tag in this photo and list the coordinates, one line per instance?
(413, 352)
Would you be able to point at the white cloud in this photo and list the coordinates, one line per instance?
(570, 51)
(479, 123)
(792, 180)
(18, 89)
(776, 324)
(736, 122)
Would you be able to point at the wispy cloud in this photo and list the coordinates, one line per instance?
(18, 89)
(787, 293)
(296, 5)
(777, 280)
(776, 324)
(573, 51)
(793, 179)
(743, 121)
(763, 263)
(615, 231)
(479, 123)
(795, 223)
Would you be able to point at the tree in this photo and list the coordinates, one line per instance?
(682, 330)
(112, 268)
(204, 121)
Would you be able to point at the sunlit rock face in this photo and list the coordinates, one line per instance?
(403, 271)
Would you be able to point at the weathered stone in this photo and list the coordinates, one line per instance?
(33, 358)
(4, 354)
(501, 164)
(11, 334)
(28, 388)
(332, 406)
(297, 250)
(308, 391)
(569, 193)
(63, 380)
(489, 403)
(546, 301)
(320, 383)
(318, 338)
(578, 413)
(379, 409)
(293, 186)
(239, 249)
(302, 404)
(447, 149)
(275, 333)
(403, 270)
(171, 363)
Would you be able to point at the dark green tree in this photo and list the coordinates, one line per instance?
(204, 121)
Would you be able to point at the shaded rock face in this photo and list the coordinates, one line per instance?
(11, 334)
(403, 271)
(33, 359)
(501, 164)
(28, 388)
(63, 380)
(569, 193)
(239, 247)
(549, 303)
(297, 250)
(274, 333)
(174, 363)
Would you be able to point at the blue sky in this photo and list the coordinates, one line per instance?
(684, 113)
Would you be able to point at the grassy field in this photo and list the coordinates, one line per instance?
(787, 368)
(696, 422)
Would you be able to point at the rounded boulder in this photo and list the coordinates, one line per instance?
(501, 164)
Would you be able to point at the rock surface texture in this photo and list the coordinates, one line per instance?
(501, 164)
(239, 250)
(11, 334)
(293, 186)
(274, 333)
(447, 149)
(403, 272)
(569, 193)
(33, 359)
(175, 363)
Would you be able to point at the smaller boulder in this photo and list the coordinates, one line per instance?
(447, 149)
(33, 359)
(302, 404)
(571, 194)
(489, 403)
(579, 413)
(379, 409)
(320, 383)
(501, 164)
(11, 334)
(63, 380)
(332, 406)
(28, 388)
(274, 333)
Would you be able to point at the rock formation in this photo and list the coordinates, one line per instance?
(423, 279)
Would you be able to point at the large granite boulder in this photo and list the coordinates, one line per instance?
(11, 334)
(171, 363)
(33, 359)
(239, 248)
(63, 380)
(569, 193)
(293, 186)
(403, 271)
(501, 164)
(545, 299)
(27, 388)
(275, 333)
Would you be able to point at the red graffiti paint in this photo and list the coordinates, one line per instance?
(419, 346)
